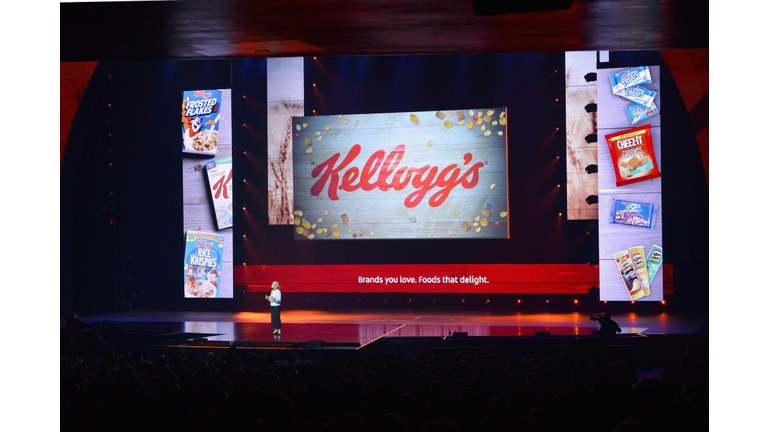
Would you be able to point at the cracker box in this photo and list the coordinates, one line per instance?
(220, 188)
(633, 157)
(200, 114)
(203, 257)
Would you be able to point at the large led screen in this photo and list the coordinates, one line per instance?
(417, 175)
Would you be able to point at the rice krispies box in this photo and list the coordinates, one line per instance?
(220, 188)
(203, 257)
(200, 114)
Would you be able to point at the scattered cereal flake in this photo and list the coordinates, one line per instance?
(478, 229)
(487, 119)
(350, 231)
(309, 150)
(371, 233)
(503, 214)
(429, 143)
(456, 213)
(460, 115)
(311, 236)
(320, 138)
(326, 212)
(327, 231)
(320, 230)
(470, 125)
(479, 120)
(335, 225)
(319, 220)
(483, 222)
(466, 226)
(305, 125)
(486, 213)
(474, 224)
(461, 122)
(414, 119)
(297, 221)
(471, 112)
(298, 127)
(448, 125)
(308, 141)
(503, 121)
(356, 122)
(487, 133)
(345, 121)
(450, 114)
(336, 233)
(500, 133)
(317, 133)
(313, 226)
(299, 230)
(479, 114)
(477, 218)
(502, 114)
(494, 123)
(490, 112)
(440, 115)
(340, 115)
(300, 213)
(344, 218)
(305, 223)
(327, 128)
(493, 185)
(483, 128)
(450, 232)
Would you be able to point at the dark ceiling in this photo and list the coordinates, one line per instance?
(237, 28)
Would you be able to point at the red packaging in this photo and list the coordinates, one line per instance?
(632, 154)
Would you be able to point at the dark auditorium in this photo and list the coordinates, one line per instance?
(408, 216)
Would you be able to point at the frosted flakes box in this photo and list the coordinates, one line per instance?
(203, 257)
(220, 188)
(200, 114)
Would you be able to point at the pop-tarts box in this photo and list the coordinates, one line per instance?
(220, 188)
(200, 114)
(203, 257)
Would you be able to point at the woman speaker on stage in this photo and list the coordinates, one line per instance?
(275, 300)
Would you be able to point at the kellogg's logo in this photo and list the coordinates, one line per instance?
(202, 94)
(381, 171)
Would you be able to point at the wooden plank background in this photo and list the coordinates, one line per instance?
(579, 123)
(197, 202)
(380, 214)
(612, 117)
(285, 100)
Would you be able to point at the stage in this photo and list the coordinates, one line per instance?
(361, 328)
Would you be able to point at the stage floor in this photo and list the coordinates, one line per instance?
(364, 327)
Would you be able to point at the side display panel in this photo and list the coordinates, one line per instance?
(207, 187)
(629, 184)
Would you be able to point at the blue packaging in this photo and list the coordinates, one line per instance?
(637, 112)
(629, 78)
(203, 257)
(200, 114)
(639, 95)
(633, 214)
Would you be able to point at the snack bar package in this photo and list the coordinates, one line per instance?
(633, 213)
(629, 78)
(638, 262)
(624, 263)
(220, 188)
(639, 95)
(203, 256)
(653, 262)
(200, 113)
(638, 112)
(633, 157)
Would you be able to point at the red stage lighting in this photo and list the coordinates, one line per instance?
(575, 301)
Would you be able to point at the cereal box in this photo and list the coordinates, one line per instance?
(220, 188)
(200, 113)
(203, 256)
